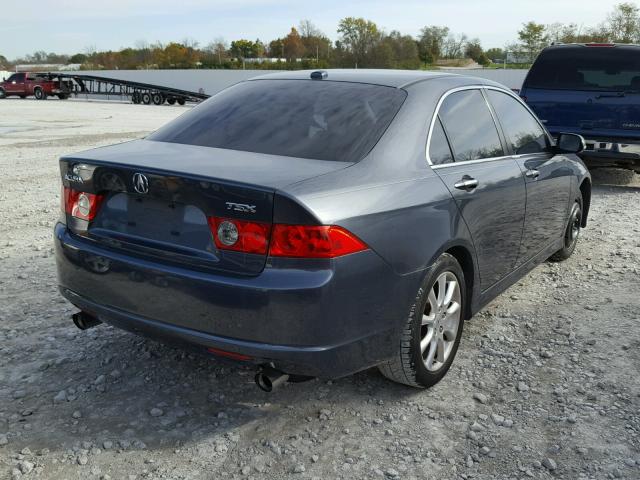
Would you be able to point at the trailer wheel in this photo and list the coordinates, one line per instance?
(135, 97)
(3, 94)
(158, 99)
(146, 98)
(39, 93)
(181, 101)
(171, 101)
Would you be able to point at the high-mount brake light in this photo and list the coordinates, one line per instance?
(600, 44)
(280, 240)
(81, 205)
(306, 241)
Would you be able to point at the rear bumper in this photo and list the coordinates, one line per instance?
(603, 153)
(338, 318)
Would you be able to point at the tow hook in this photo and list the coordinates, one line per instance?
(84, 320)
(268, 378)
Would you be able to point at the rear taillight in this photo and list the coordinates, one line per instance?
(300, 241)
(240, 236)
(81, 205)
(313, 241)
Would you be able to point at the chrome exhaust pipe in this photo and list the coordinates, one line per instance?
(268, 379)
(84, 320)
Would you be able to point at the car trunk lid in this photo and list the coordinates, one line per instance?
(157, 198)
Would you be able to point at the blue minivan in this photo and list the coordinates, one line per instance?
(592, 90)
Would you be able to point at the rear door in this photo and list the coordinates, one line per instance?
(547, 176)
(590, 90)
(466, 151)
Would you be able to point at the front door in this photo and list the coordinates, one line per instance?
(488, 186)
(546, 176)
(15, 84)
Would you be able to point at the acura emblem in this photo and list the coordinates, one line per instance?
(140, 183)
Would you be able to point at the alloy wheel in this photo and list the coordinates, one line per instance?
(440, 321)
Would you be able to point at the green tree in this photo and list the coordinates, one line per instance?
(495, 54)
(623, 23)
(533, 39)
(359, 37)
(473, 50)
(4, 63)
(397, 51)
(245, 49)
(431, 43)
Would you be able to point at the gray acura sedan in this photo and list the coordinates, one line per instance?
(320, 223)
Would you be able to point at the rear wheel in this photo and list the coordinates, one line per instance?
(171, 101)
(146, 98)
(157, 99)
(431, 336)
(181, 101)
(39, 94)
(572, 232)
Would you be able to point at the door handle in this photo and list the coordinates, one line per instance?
(532, 174)
(466, 184)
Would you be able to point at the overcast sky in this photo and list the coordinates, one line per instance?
(70, 26)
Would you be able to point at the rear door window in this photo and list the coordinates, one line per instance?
(470, 126)
(315, 119)
(587, 68)
(524, 133)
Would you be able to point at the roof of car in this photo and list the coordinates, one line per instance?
(389, 78)
(592, 45)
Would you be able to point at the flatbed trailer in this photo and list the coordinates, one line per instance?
(137, 92)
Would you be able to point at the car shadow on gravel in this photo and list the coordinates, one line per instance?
(104, 388)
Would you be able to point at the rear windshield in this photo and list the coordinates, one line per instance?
(587, 68)
(315, 119)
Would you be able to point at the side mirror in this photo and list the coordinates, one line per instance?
(570, 143)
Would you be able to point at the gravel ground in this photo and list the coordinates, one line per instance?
(546, 383)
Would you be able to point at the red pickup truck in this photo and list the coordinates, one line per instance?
(40, 85)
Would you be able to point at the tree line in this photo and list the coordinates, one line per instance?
(361, 43)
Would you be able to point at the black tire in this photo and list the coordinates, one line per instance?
(408, 365)
(63, 96)
(135, 97)
(171, 101)
(23, 96)
(181, 101)
(571, 233)
(3, 94)
(39, 94)
(146, 98)
(157, 99)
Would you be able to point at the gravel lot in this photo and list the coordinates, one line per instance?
(546, 383)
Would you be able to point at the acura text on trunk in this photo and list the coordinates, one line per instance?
(320, 223)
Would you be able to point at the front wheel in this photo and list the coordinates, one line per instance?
(431, 336)
(571, 233)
